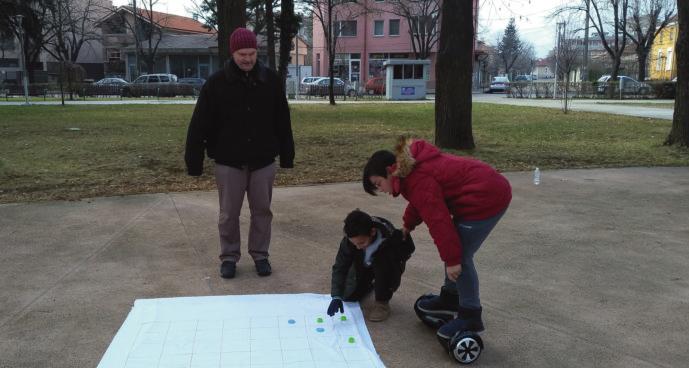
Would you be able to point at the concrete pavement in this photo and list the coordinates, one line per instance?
(586, 269)
(617, 107)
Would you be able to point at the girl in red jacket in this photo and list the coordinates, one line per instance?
(460, 200)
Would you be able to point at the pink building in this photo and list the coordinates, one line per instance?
(366, 40)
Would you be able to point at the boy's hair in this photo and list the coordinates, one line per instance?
(357, 223)
(377, 165)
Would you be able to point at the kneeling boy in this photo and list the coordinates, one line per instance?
(372, 256)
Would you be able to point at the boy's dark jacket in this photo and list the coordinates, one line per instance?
(240, 119)
(393, 248)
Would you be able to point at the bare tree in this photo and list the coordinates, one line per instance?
(270, 33)
(71, 25)
(568, 57)
(146, 27)
(679, 134)
(454, 74)
(231, 14)
(510, 47)
(334, 17)
(206, 11)
(649, 18)
(289, 27)
(609, 19)
(422, 17)
(526, 60)
(34, 13)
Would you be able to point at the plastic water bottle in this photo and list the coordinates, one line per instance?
(537, 177)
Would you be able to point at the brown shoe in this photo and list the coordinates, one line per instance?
(379, 311)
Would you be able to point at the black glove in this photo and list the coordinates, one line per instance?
(334, 306)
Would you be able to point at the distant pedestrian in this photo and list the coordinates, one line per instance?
(242, 122)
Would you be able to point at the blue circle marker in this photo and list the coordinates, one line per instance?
(291, 321)
(320, 329)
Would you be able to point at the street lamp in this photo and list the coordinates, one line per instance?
(25, 78)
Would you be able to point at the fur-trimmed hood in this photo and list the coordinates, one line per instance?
(409, 152)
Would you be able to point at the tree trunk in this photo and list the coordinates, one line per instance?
(270, 34)
(453, 75)
(613, 81)
(679, 134)
(642, 58)
(231, 15)
(288, 29)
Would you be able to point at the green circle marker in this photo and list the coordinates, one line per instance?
(351, 340)
(319, 320)
(343, 318)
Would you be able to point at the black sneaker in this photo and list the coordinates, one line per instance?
(263, 267)
(444, 304)
(228, 269)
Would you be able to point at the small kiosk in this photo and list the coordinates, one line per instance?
(405, 79)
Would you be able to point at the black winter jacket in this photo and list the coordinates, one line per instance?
(240, 119)
(392, 248)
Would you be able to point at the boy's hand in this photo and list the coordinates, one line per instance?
(335, 304)
(453, 272)
(405, 232)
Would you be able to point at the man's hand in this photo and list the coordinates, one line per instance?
(453, 272)
(334, 306)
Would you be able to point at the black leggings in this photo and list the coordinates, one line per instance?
(383, 277)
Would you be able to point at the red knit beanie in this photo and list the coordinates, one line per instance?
(242, 38)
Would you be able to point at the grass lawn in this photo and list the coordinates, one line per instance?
(53, 152)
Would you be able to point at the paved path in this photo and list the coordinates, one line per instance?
(588, 269)
(604, 106)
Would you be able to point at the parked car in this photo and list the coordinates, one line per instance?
(629, 85)
(111, 82)
(156, 85)
(197, 83)
(524, 78)
(499, 84)
(375, 86)
(321, 86)
(306, 82)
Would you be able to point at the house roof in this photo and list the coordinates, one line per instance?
(186, 43)
(167, 21)
(542, 62)
(173, 22)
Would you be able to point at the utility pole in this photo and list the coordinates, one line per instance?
(585, 71)
(560, 25)
(296, 86)
(25, 77)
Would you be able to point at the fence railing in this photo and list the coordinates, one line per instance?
(593, 90)
(85, 90)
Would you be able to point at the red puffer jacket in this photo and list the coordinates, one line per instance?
(441, 187)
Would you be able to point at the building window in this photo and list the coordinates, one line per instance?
(394, 27)
(668, 61)
(423, 24)
(114, 55)
(378, 28)
(409, 71)
(346, 28)
(659, 60)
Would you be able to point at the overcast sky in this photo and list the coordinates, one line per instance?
(531, 17)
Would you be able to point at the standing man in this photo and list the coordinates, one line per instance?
(242, 122)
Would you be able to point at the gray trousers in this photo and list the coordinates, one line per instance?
(258, 186)
(472, 234)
